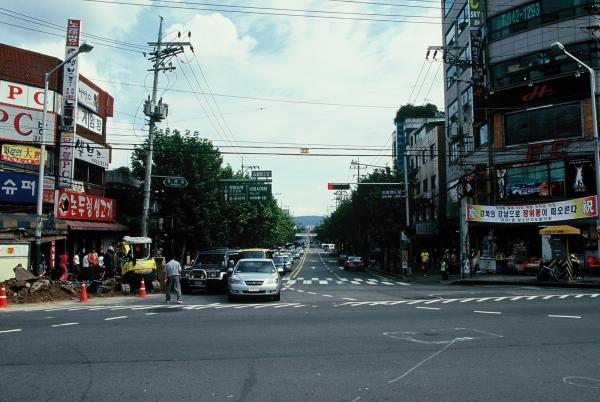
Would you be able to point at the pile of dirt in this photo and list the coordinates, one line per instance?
(38, 290)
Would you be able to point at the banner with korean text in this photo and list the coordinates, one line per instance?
(23, 154)
(71, 205)
(578, 208)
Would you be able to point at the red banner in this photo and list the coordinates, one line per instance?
(70, 205)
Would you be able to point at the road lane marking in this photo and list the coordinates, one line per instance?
(428, 308)
(355, 282)
(307, 282)
(311, 293)
(387, 283)
(563, 296)
(327, 295)
(66, 324)
(563, 316)
(115, 318)
(487, 312)
(348, 298)
(301, 291)
(6, 331)
(322, 282)
(151, 313)
(403, 283)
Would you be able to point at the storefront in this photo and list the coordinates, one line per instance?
(505, 238)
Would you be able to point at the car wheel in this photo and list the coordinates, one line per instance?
(277, 297)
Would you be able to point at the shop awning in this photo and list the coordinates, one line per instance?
(97, 226)
(560, 230)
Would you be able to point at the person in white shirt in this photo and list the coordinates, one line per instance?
(173, 272)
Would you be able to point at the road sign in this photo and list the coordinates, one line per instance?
(338, 186)
(175, 182)
(259, 192)
(394, 194)
(246, 190)
(261, 174)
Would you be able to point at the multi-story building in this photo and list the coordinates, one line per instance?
(76, 197)
(519, 124)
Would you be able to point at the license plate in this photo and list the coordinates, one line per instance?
(253, 289)
(197, 283)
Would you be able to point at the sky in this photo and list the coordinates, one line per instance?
(255, 79)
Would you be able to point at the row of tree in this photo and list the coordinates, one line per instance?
(367, 224)
(197, 216)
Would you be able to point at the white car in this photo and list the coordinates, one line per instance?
(255, 277)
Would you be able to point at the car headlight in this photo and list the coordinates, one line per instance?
(236, 279)
(272, 281)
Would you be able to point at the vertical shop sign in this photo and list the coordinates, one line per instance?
(476, 12)
(52, 254)
(65, 160)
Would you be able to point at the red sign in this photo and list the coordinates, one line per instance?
(70, 205)
(73, 32)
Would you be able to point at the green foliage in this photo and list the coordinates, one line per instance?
(201, 218)
(410, 110)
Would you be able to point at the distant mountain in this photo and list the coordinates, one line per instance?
(308, 220)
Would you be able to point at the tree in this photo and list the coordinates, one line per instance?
(409, 110)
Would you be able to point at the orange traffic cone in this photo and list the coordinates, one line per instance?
(83, 297)
(3, 299)
(142, 289)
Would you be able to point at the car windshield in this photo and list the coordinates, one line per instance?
(278, 260)
(253, 254)
(263, 267)
(211, 259)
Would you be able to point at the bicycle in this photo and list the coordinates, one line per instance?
(546, 273)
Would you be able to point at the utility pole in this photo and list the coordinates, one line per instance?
(164, 51)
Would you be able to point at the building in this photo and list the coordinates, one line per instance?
(519, 124)
(77, 215)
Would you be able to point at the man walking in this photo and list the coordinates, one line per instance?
(425, 262)
(173, 272)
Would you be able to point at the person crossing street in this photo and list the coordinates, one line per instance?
(173, 273)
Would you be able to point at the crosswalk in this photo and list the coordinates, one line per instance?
(287, 282)
(164, 307)
(466, 300)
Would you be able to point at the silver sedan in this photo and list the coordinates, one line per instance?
(255, 277)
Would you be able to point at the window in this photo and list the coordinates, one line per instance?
(425, 186)
(536, 66)
(454, 152)
(450, 37)
(432, 151)
(450, 76)
(433, 182)
(448, 6)
(463, 19)
(465, 54)
(548, 123)
(467, 96)
(535, 13)
(534, 181)
(452, 111)
(482, 136)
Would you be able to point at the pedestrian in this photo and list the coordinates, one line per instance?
(172, 273)
(42, 266)
(93, 263)
(76, 265)
(444, 265)
(85, 273)
(64, 272)
(109, 263)
(425, 262)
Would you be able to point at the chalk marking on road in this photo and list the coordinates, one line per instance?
(428, 308)
(322, 282)
(6, 331)
(66, 324)
(563, 316)
(115, 318)
(423, 362)
(487, 312)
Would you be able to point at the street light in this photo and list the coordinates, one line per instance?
(559, 49)
(83, 48)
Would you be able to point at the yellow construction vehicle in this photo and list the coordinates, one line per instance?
(134, 262)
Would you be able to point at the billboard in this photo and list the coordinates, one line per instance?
(71, 205)
(23, 154)
(21, 188)
(25, 125)
(91, 152)
(15, 94)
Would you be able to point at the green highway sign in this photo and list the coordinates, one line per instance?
(246, 190)
(175, 182)
(261, 174)
(259, 192)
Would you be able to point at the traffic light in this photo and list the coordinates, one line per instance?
(338, 186)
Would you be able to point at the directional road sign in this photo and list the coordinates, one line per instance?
(175, 182)
(261, 174)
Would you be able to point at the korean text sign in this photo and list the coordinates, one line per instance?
(71, 205)
(578, 208)
(20, 188)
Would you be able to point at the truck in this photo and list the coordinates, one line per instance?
(209, 270)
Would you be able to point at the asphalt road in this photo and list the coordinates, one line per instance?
(334, 336)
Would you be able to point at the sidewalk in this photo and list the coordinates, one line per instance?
(588, 282)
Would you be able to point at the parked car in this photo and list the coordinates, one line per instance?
(354, 262)
(255, 277)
